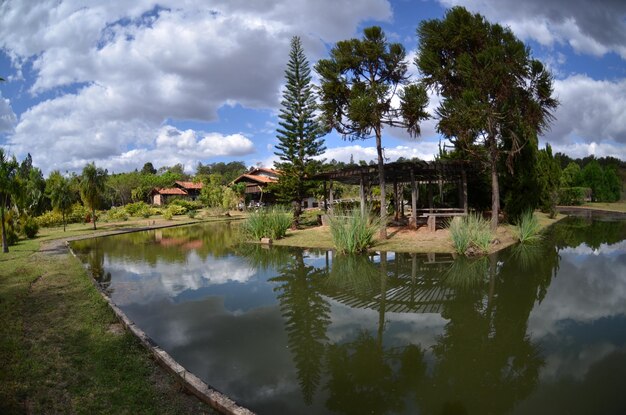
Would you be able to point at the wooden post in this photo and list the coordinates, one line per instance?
(464, 178)
(395, 200)
(413, 221)
(331, 198)
(362, 194)
(430, 196)
(325, 205)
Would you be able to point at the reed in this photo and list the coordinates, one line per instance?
(268, 223)
(352, 231)
(527, 228)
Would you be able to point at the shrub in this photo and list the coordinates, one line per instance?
(30, 227)
(470, 234)
(137, 209)
(167, 214)
(527, 228)
(117, 213)
(50, 218)
(573, 196)
(353, 232)
(79, 214)
(267, 223)
(176, 210)
(187, 204)
(11, 228)
(192, 213)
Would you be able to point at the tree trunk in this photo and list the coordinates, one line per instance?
(297, 211)
(63, 221)
(495, 187)
(381, 180)
(93, 218)
(5, 245)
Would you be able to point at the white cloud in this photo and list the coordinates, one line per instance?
(593, 28)
(134, 66)
(591, 117)
(7, 116)
(423, 150)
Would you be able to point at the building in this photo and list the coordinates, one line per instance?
(257, 180)
(182, 190)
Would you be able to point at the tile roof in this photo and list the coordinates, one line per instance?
(189, 185)
(171, 191)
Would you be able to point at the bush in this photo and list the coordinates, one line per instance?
(167, 214)
(192, 213)
(50, 218)
(79, 214)
(116, 213)
(573, 196)
(11, 228)
(267, 223)
(176, 210)
(527, 229)
(187, 204)
(137, 209)
(353, 232)
(30, 228)
(470, 234)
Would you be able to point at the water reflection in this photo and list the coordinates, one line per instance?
(297, 331)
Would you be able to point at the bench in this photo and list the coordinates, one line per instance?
(432, 215)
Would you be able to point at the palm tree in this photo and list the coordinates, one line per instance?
(8, 171)
(92, 187)
(60, 193)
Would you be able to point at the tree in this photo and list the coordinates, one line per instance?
(60, 193)
(148, 168)
(358, 84)
(493, 93)
(92, 184)
(548, 177)
(299, 134)
(571, 176)
(8, 187)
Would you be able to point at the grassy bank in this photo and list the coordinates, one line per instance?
(404, 239)
(61, 349)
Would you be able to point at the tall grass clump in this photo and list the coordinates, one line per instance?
(267, 223)
(471, 234)
(352, 231)
(527, 228)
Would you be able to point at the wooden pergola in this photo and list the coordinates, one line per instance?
(412, 173)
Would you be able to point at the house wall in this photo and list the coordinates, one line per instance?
(157, 200)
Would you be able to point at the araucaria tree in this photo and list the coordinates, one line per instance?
(299, 134)
(358, 85)
(92, 183)
(495, 98)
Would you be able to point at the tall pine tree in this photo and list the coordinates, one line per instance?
(299, 134)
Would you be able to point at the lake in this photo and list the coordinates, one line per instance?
(532, 329)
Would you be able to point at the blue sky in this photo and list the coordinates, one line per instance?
(123, 83)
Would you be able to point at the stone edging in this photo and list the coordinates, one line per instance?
(191, 382)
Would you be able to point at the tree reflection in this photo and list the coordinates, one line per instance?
(307, 318)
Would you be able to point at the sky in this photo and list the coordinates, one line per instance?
(123, 83)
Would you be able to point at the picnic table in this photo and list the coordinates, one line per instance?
(433, 214)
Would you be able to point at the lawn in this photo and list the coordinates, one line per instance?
(61, 349)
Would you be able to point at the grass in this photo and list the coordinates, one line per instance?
(58, 351)
(470, 233)
(268, 223)
(527, 228)
(352, 232)
(612, 207)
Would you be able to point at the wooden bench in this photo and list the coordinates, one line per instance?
(433, 214)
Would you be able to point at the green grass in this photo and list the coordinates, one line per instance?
(527, 228)
(352, 232)
(56, 351)
(470, 234)
(267, 223)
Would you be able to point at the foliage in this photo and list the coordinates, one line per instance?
(230, 199)
(92, 184)
(187, 204)
(59, 190)
(527, 228)
(299, 133)
(573, 196)
(175, 210)
(267, 223)
(227, 171)
(8, 187)
(116, 214)
(470, 234)
(30, 228)
(571, 176)
(11, 228)
(496, 98)
(212, 193)
(138, 209)
(549, 178)
(352, 231)
(30, 199)
(358, 85)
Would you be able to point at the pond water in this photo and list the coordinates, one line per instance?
(530, 330)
